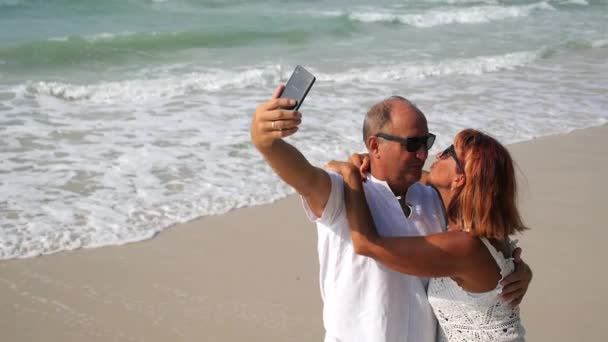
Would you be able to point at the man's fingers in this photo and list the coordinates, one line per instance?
(277, 103)
(281, 114)
(277, 92)
(285, 133)
(510, 297)
(511, 279)
(517, 254)
(513, 287)
(281, 125)
(514, 277)
(513, 293)
(515, 303)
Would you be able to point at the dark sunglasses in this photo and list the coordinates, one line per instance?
(412, 144)
(451, 152)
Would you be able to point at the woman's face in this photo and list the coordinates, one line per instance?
(447, 166)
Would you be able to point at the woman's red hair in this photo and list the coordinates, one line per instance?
(486, 204)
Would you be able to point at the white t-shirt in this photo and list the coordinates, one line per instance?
(362, 299)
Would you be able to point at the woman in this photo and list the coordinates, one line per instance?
(476, 180)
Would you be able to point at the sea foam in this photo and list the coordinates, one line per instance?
(111, 134)
(436, 17)
(215, 80)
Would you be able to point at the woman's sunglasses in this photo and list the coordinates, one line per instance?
(451, 152)
(412, 144)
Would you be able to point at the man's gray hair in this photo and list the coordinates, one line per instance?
(379, 115)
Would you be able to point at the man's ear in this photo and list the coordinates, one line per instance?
(373, 145)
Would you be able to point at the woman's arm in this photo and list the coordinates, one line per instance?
(444, 254)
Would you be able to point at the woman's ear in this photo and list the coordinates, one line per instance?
(458, 181)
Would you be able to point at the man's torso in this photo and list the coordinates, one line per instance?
(363, 299)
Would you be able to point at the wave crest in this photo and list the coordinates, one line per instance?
(470, 66)
(174, 82)
(158, 89)
(470, 15)
(215, 80)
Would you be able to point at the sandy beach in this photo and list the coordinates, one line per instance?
(251, 275)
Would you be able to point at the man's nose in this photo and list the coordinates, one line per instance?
(422, 153)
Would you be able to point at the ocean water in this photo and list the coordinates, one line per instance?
(121, 118)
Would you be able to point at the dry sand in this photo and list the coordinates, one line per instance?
(251, 275)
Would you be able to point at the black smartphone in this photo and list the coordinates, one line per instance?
(298, 85)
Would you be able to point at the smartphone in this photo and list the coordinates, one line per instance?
(298, 85)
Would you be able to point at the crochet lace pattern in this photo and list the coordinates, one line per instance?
(465, 316)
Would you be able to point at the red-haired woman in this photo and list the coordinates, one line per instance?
(476, 180)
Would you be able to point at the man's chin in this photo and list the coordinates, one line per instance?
(413, 176)
(409, 180)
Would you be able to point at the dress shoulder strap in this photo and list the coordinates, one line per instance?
(496, 254)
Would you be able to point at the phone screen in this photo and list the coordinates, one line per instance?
(298, 85)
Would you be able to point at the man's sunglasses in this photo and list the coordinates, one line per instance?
(412, 144)
(451, 152)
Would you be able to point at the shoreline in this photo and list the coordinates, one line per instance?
(252, 273)
(164, 230)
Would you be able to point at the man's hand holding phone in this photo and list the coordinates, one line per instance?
(271, 121)
(279, 117)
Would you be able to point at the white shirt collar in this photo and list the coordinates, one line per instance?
(375, 180)
(385, 184)
(378, 181)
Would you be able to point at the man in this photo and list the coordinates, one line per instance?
(363, 300)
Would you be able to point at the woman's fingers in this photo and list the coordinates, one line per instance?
(361, 161)
(364, 168)
(356, 159)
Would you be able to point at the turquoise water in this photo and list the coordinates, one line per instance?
(119, 119)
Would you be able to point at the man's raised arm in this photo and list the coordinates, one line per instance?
(269, 126)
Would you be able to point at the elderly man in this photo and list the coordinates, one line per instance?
(362, 299)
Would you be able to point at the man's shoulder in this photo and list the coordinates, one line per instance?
(334, 207)
(427, 207)
(419, 189)
(334, 175)
(422, 194)
(421, 185)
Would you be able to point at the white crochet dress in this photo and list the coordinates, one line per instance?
(465, 316)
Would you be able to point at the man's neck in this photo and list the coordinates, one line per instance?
(398, 192)
(399, 195)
